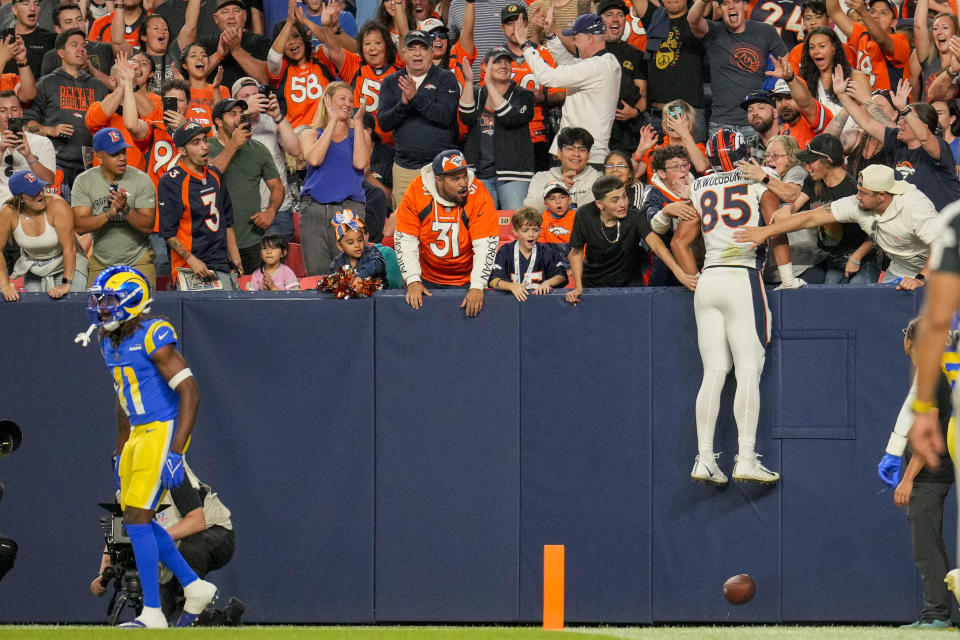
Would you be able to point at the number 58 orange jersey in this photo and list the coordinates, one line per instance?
(447, 236)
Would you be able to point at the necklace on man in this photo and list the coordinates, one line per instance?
(603, 230)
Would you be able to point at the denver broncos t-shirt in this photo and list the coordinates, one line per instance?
(935, 179)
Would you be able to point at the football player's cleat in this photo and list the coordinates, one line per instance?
(199, 595)
(149, 618)
(749, 469)
(706, 470)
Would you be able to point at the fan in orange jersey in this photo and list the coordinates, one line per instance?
(881, 54)
(366, 71)
(296, 71)
(513, 22)
(449, 56)
(132, 77)
(558, 215)
(447, 232)
(203, 95)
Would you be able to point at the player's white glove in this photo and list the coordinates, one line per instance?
(796, 283)
(787, 279)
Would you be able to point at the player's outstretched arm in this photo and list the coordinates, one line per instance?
(663, 252)
(173, 367)
(942, 299)
(806, 220)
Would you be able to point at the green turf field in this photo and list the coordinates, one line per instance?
(465, 633)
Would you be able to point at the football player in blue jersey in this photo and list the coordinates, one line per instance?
(157, 400)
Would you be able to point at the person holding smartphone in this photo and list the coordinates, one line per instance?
(21, 149)
(244, 163)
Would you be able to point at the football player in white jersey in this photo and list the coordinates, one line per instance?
(733, 319)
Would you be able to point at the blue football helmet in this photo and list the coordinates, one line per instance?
(121, 292)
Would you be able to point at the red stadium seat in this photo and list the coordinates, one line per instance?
(506, 229)
(18, 283)
(388, 242)
(295, 260)
(296, 226)
(165, 283)
(310, 282)
(243, 281)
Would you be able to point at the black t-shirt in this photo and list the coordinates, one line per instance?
(485, 166)
(613, 256)
(632, 67)
(676, 70)
(253, 43)
(837, 239)
(38, 42)
(186, 498)
(944, 472)
(935, 179)
(175, 12)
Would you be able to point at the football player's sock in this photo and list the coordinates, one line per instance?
(145, 551)
(171, 557)
(746, 409)
(708, 406)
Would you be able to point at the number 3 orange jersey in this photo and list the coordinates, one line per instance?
(445, 235)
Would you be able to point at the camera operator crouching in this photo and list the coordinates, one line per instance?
(205, 538)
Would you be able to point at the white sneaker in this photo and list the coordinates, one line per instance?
(149, 618)
(199, 594)
(953, 582)
(706, 470)
(749, 469)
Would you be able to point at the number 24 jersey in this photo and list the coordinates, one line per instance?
(725, 202)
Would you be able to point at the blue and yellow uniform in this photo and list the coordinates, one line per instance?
(151, 408)
(196, 209)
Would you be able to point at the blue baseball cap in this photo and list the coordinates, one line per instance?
(449, 161)
(187, 132)
(109, 140)
(25, 181)
(587, 23)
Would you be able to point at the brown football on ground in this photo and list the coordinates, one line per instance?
(739, 589)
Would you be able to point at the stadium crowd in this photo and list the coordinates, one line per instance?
(250, 143)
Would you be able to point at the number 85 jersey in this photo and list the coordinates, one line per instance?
(196, 210)
(725, 202)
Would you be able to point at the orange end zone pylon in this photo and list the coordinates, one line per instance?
(553, 586)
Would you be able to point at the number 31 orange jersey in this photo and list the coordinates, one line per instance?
(445, 234)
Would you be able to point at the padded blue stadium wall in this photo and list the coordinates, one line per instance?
(385, 464)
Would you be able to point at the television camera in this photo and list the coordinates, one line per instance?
(10, 438)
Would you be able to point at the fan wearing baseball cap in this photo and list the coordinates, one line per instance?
(42, 226)
(418, 104)
(447, 232)
(246, 58)
(117, 205)
(592, 80)
(893, 213)
(920, 155)
(558, 215)
(513, 24)
(498, 142)
(196, 213)
(803, 115)
(851, 258)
